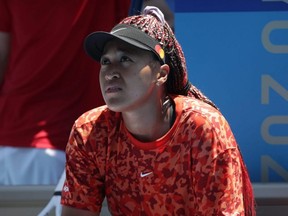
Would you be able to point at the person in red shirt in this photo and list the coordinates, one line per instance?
(159, 146)
(48, 81)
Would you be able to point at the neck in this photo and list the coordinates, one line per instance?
(151, 122)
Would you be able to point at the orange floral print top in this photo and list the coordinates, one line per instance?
(195, 169)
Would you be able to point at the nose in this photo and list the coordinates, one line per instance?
(111, 76)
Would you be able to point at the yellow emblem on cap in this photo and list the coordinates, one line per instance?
(160, 51)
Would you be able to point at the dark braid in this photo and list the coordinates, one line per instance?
(177, 82)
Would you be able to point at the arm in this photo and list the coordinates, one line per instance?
(4, 51)
(164, 7)
(219, 175)
(69, 211)
(223, 190)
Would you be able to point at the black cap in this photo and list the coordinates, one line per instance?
(95, 42)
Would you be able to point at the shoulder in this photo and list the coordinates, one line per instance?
(97, 119)
(92, 128)
(206, 122)
(195, 108)
(99, 114)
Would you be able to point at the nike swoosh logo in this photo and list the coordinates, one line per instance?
(120, 29)
(145, 174)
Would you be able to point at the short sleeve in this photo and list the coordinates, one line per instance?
(219, 187)
(84, 186)
(217, 171)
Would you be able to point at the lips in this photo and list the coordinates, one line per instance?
(112, 89)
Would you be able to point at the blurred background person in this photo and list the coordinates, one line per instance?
(46, 81)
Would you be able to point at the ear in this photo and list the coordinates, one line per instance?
(163, 74)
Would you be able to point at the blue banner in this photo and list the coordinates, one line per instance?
(239, 59)
(230, 5)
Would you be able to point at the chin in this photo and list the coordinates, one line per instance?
(115, 106)
(115, 109)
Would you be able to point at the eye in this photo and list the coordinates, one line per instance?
(104, 61)
(125, 59)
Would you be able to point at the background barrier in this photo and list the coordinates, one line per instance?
(30, 200)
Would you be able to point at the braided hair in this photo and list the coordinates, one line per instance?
(153, 24)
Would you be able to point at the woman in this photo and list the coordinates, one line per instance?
(158, 146)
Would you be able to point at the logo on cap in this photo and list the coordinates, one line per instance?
(113, 32)
(160, 51)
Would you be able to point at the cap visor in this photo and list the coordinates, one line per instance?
(95, 42)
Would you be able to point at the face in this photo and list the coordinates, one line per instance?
(128, 76)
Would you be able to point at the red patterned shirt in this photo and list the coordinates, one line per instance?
(195, 169)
